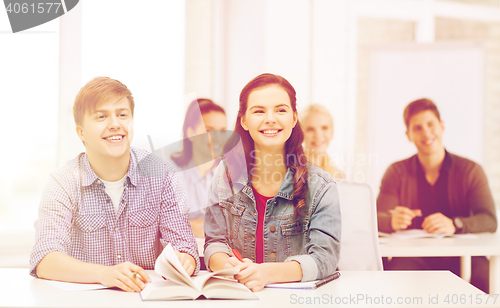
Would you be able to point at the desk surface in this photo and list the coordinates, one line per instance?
(21, 290)
(201, 245)
(486, 244)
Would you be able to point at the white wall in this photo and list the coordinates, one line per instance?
(258, 37)
(43, 69)
(311, 43)
(450, 74)
(143, 47)
(314, 45)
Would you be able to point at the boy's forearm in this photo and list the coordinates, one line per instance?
(59, 266)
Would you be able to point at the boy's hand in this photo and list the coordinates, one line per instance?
(402, 216)
(438, 223)
(187, 261)
(126, 276)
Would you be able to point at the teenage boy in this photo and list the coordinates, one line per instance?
(106, 215)
(436, 191)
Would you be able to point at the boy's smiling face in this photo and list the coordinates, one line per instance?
(108, 130)
(425, 130)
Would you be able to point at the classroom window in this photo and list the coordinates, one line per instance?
(28, 121)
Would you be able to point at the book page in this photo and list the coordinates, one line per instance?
(293, 285)
(465, 235)
(202, 278)
(169, 266)
(415, 233)
(304, 285)
(223, 288)
(420, 233)
(168, 290)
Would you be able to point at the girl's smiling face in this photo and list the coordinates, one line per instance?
(269, 117)
(318, 132)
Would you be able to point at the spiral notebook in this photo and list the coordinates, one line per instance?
(304, 285)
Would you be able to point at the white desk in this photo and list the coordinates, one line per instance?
(200, 242)
(486, 244)
(18, 289)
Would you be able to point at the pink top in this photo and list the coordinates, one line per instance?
(260, 204)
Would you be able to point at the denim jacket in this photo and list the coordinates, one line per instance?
(313, 240)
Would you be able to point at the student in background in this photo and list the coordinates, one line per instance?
(195, 160)
(106, 215)
(284, 218)
(317, 124)
(436, 191)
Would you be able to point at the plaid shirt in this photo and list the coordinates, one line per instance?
(77, 217)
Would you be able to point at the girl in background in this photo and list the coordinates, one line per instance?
(195, 160)
(317, 124)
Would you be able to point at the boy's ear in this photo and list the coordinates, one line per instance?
(408, 135)
(79, 132)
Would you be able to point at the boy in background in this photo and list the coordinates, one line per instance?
(436, 191)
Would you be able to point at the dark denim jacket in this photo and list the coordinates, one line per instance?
(313, 240)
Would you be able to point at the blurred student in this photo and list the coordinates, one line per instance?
(317, 123)
(195, 160)
(101, 218)
(284, 218)
(436, 191)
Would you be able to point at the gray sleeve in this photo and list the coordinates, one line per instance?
(323, 245)
(388, 198)
(483, 217)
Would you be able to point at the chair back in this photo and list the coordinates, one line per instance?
(359, 250)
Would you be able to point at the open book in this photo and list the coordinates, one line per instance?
(411, 233)
(179, 285)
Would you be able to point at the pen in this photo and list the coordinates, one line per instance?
(419, 214)
(236, 253)
(134, 274)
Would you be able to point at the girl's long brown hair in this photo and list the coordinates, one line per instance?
(295, 158)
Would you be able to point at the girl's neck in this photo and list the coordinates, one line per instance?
(268, 170)
(270, 158)
(200, 161)
(204, 168)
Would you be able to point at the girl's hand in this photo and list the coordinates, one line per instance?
(233, 262)
(252, 275)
